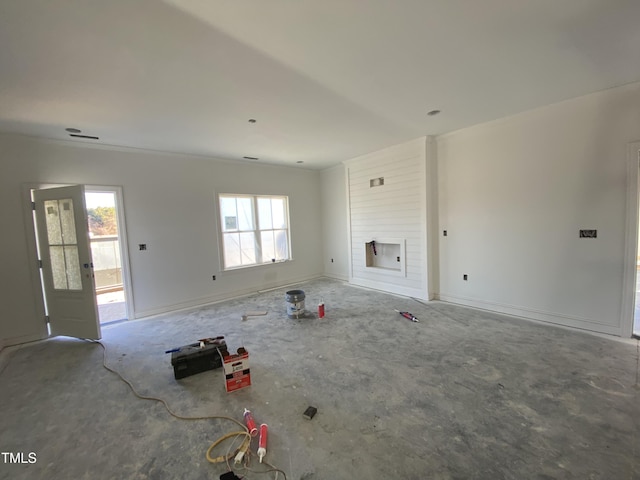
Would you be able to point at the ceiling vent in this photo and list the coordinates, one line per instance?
(84, 136)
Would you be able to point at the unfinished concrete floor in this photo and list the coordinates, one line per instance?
(464, 394)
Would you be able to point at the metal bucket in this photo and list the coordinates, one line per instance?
(295, 303)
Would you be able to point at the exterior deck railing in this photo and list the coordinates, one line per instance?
(105, 251)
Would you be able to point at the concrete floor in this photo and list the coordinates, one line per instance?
(464, 394)
(111, 307)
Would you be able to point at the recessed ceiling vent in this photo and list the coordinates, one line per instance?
(84, 136)
(376, 182)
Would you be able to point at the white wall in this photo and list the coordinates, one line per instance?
(393, 211)
(335, 239)
(169, 205)
(513, 195)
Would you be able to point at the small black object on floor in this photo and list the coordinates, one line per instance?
(310, 412)
(229, 476)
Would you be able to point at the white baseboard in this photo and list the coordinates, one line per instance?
(208, 300)
(533, 314)
(391, 288)
(336, 276)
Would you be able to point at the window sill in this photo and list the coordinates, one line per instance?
(257, 265)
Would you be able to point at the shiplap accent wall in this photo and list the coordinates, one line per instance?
(395, 210)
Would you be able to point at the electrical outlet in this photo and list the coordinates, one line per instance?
(332, 260)
(465, 277)
(397, 259)
(213, 277)
(142, 246)
(444, 233)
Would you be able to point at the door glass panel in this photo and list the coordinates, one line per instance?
(54, 230)
(57, 267)
(67, 221)
(61, 235)
(72, 262)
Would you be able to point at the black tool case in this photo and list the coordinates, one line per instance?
(197, 358)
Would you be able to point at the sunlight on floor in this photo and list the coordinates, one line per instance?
(111, 306)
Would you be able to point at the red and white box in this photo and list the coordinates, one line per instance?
(236, 370)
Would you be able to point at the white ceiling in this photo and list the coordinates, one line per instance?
(326, 80)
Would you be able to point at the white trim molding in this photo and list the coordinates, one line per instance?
(631, 241)
(532, 314)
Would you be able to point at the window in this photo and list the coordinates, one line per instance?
(63, 245)
(255, 229)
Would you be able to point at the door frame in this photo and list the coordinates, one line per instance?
(34, 268)
(122, 242)
(631, 240)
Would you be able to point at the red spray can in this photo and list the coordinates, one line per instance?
(321, 309)
(250, 422)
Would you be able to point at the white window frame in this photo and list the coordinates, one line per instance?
(255, 230)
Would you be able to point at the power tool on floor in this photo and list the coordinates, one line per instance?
(205, 354)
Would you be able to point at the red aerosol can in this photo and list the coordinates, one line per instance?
(321, 309)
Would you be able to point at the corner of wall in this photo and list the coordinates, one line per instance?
(335, 224)
(433, 222)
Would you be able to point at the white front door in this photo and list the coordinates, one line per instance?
(67, 271)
